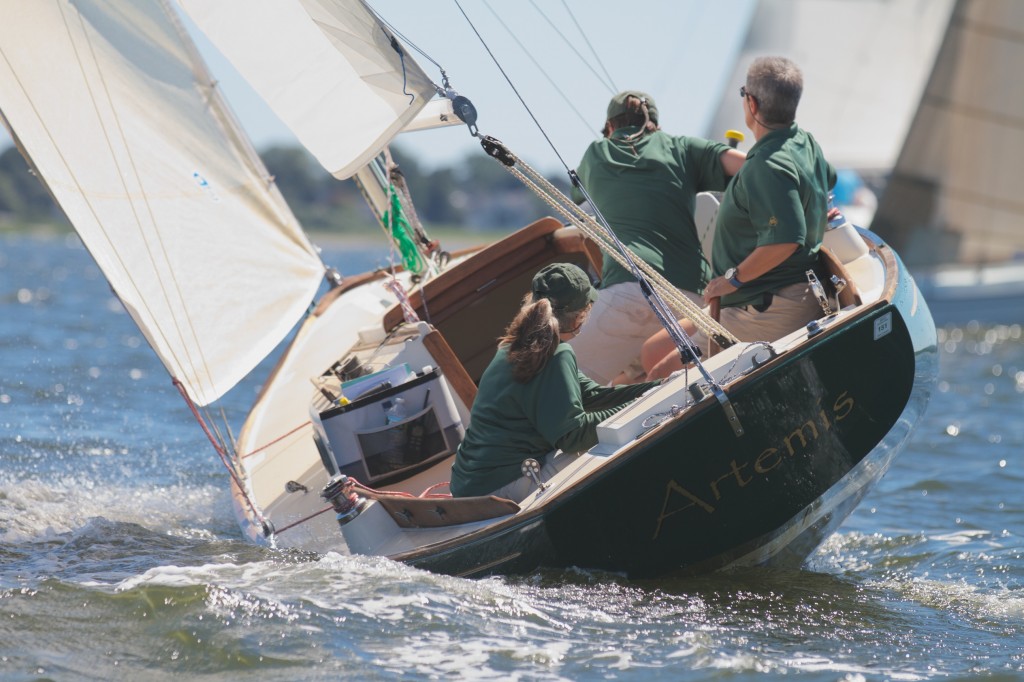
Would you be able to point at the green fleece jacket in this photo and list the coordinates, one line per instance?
(559, 408)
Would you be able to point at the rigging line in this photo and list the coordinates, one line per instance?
(310, 517)
(668, 71)
(511, 85)
(232, 472)
(592, 50)
(387, 24)
(396, 46)
(572, 47)
(275, 440)
(590, 227)
(227, 427)
(583, 119)
(99, 223)
(657, 303)
(216, 430)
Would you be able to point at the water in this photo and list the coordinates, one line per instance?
(120, 558)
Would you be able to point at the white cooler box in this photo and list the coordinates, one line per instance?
(363, 444)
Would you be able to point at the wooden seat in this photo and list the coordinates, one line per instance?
(435, 512)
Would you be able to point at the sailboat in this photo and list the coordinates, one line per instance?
(753, 457)
(912, 97)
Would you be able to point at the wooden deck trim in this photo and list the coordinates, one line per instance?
(453, 370)
(851, 294)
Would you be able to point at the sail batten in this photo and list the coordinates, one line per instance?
(327, 69)
(115, 111)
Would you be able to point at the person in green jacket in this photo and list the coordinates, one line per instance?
(645, 183)
(770, 224)
(532, 401)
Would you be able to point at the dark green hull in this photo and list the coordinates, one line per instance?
(822, 425)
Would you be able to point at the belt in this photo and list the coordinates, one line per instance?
(766, 302)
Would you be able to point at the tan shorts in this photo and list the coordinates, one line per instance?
(792, 308)
(619, 323)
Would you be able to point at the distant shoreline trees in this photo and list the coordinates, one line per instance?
(476, 195)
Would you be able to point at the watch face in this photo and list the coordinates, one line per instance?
(730, 273)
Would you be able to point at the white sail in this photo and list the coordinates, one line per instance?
(865, 63)
(327, 68)
(953, 196)
(116, 112)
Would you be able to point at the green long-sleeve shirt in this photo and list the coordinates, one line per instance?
(647, 191)
(511, 421)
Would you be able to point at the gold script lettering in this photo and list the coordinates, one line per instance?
(770, 458)
(799, 433)
(841, 405)
(671, 490)
(759, 465)
(735, 472)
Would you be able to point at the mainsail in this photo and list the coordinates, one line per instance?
(115, 110)
(327, 68)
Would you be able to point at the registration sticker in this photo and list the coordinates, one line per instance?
(883, 325)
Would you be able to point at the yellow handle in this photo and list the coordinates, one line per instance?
(734, 137)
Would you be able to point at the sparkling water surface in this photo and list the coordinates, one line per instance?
(120, 558)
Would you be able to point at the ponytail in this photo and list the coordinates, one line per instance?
(532, 338)
(637, 114)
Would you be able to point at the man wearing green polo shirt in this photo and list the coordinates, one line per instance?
(770, 224)
(645, 183)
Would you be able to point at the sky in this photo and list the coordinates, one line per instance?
(678, 51)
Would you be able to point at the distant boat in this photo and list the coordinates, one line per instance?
(913, 96)
(987, 293)
(752, 458)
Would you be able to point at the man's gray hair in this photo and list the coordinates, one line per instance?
(776, 83)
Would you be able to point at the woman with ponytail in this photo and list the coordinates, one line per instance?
(532, 401)
(645, 183)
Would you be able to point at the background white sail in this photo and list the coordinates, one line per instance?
(924, 98)
(865, 63)
(116, 112)
(954, 194)
(325, 67)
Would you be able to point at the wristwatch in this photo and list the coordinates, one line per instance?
(730, 275)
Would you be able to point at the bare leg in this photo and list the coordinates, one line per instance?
(659, 352)
(625, 378)
(668, 364)
(654, 349)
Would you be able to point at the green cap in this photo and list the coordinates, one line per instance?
(565, 285)
(618, 104)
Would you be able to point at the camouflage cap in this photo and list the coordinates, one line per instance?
(565, 285)
(618, 104)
